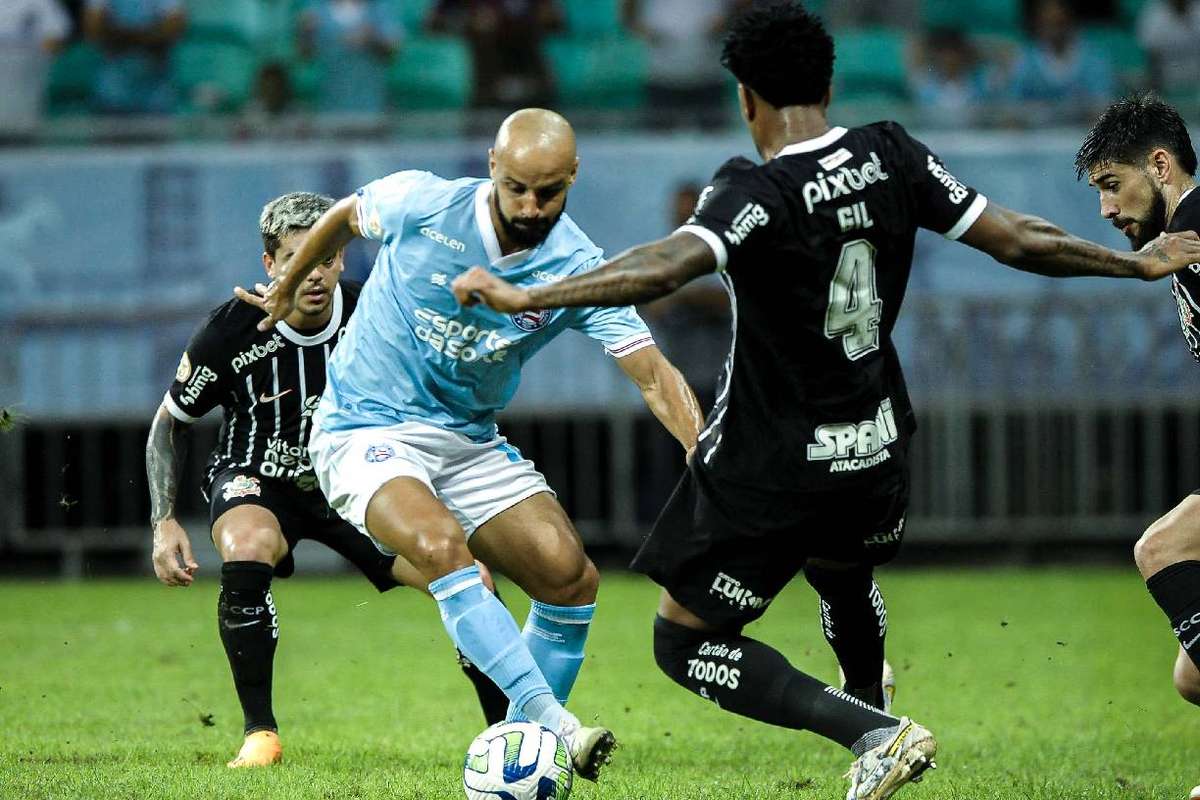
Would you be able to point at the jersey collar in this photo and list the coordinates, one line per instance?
(809, 145)
(321, 336)
(487, 231)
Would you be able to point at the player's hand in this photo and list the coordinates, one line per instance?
(273, 302)
(477, 285)
(1169, 252)
(173, 561)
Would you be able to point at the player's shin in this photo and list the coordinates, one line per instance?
(492, 700)
(1176, 589)
(854, 621)
(487, 635)
(753, 679)
(555, 636)
(249, 628)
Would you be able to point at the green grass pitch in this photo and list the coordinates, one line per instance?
(1038, 684)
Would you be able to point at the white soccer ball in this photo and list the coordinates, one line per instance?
(518, 761)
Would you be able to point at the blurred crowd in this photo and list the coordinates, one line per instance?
(989, 62)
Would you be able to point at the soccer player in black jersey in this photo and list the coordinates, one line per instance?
(802, 465)
(1139, 157)
(261, 488)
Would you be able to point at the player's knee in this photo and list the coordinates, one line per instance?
(264, 545)
(829, 582)
(574, 583)
(1154, 550)
(439, 550)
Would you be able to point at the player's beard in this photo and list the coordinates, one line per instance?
(525, 233)
(1154, 224)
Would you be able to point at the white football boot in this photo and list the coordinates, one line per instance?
(882, 771)
(1195, 794)
(590, 749)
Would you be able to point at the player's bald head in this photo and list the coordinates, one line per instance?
(536, 143)
(533, 165)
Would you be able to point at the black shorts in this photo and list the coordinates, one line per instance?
(302, 515)
(726, 572)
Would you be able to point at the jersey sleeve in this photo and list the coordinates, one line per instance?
(620, 329)
(944, 204)
(201, 376)
(733, 215)
(384, 203)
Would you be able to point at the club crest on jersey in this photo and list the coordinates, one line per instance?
(377, 453)
(241, 486)
(531, 320)
(184, 370)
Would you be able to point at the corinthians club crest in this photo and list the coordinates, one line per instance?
(531, 320)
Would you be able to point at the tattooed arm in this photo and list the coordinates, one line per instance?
(639, 275)
(1032, 244)
(165, 450)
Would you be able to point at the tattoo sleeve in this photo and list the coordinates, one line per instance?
(1052, 251)
(165, 450)
(639, 275)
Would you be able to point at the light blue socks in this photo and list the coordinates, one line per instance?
(487, 635)
(555, 636)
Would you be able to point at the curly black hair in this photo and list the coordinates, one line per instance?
(780, 51)
(1129, 129)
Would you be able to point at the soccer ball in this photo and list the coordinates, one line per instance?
(517, 761)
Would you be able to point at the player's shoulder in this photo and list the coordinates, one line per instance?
(350, 293)
(1187, 214)
(232, 318)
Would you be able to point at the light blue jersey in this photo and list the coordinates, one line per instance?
(410, 352)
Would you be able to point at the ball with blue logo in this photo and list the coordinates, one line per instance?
(517, 761)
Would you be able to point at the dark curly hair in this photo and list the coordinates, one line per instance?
(1129, 129)
(780, 51)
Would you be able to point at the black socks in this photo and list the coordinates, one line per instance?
(1176, 589)
(249, 630)
(753, 679)
(854, 621)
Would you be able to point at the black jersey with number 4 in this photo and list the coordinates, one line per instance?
(815, 248)
(1186, 283)
(268, 383)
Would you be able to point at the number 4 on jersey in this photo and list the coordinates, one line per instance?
(854, 305)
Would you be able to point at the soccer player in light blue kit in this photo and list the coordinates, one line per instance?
(404, 442)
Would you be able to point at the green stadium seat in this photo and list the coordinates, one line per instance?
(870, 61)
(213, 72)
(1120, 48)
(237, 18)
(1130, 9)
(978, 16)
(431, 72)
(592, 17)
(609, 72)
(69, 87)
(412, 13)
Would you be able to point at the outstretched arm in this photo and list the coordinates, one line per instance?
(165, 449)
(336, 228)
(1032, 244)
(640, 275)
(666, 393)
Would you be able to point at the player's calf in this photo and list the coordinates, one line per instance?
(750, 678)
(1187, 678)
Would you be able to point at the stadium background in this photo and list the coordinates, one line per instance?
(1055, 415)
(1058, 418)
